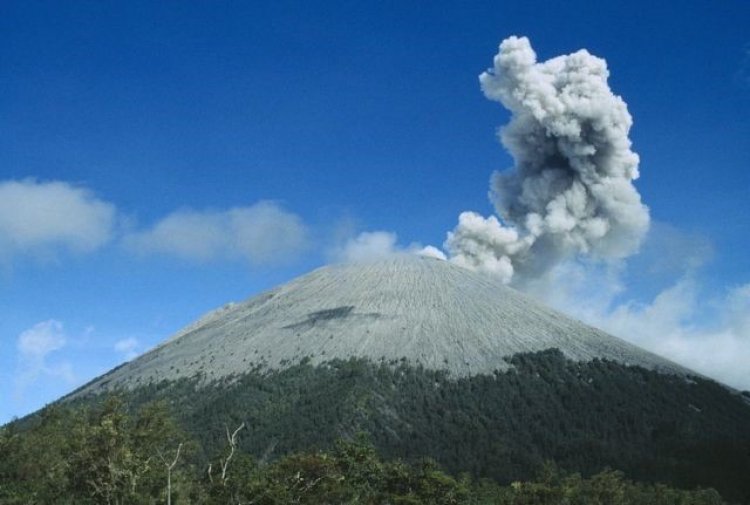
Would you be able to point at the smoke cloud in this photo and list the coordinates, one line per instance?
(570, 191)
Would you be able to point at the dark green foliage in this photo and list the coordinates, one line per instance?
(32, 461)
(100, 455)
(109, 461)
(584, 416)
(500, 429)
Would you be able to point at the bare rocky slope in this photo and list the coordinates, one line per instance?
(426, 311)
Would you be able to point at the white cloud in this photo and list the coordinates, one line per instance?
(41, 339)
(260, 234)
(128, 347)
(375, 245)
(677, 323)
(43, 217)
(668, 326)
(34, 347)
(368, 246)
(432, 252)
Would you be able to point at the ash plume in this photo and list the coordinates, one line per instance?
(570, 191)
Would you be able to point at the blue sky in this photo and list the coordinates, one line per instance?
(300, 125)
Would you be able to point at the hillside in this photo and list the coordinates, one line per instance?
(430, 312)
(585, 416)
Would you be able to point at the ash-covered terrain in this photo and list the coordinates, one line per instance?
(425, 311)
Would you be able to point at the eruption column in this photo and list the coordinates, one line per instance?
(570, 191)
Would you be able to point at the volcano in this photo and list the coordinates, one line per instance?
(423, 310)
(428, 359)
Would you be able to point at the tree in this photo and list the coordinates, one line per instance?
(170, 466)
(104, 466)
(224, 463)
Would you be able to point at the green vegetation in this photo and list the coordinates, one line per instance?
(497, 431)
(103, 455)
(584, 416)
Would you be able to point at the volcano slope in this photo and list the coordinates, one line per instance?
(430, 359)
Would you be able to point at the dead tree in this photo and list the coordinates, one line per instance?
(232, 441)
(232, 447)
(170, 467)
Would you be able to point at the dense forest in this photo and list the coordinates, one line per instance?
(104, 455)
(488, 433)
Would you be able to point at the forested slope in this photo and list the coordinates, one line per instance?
(584, 416)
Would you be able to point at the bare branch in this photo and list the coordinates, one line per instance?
(232, 439)
(176, 457)
(170, 467)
